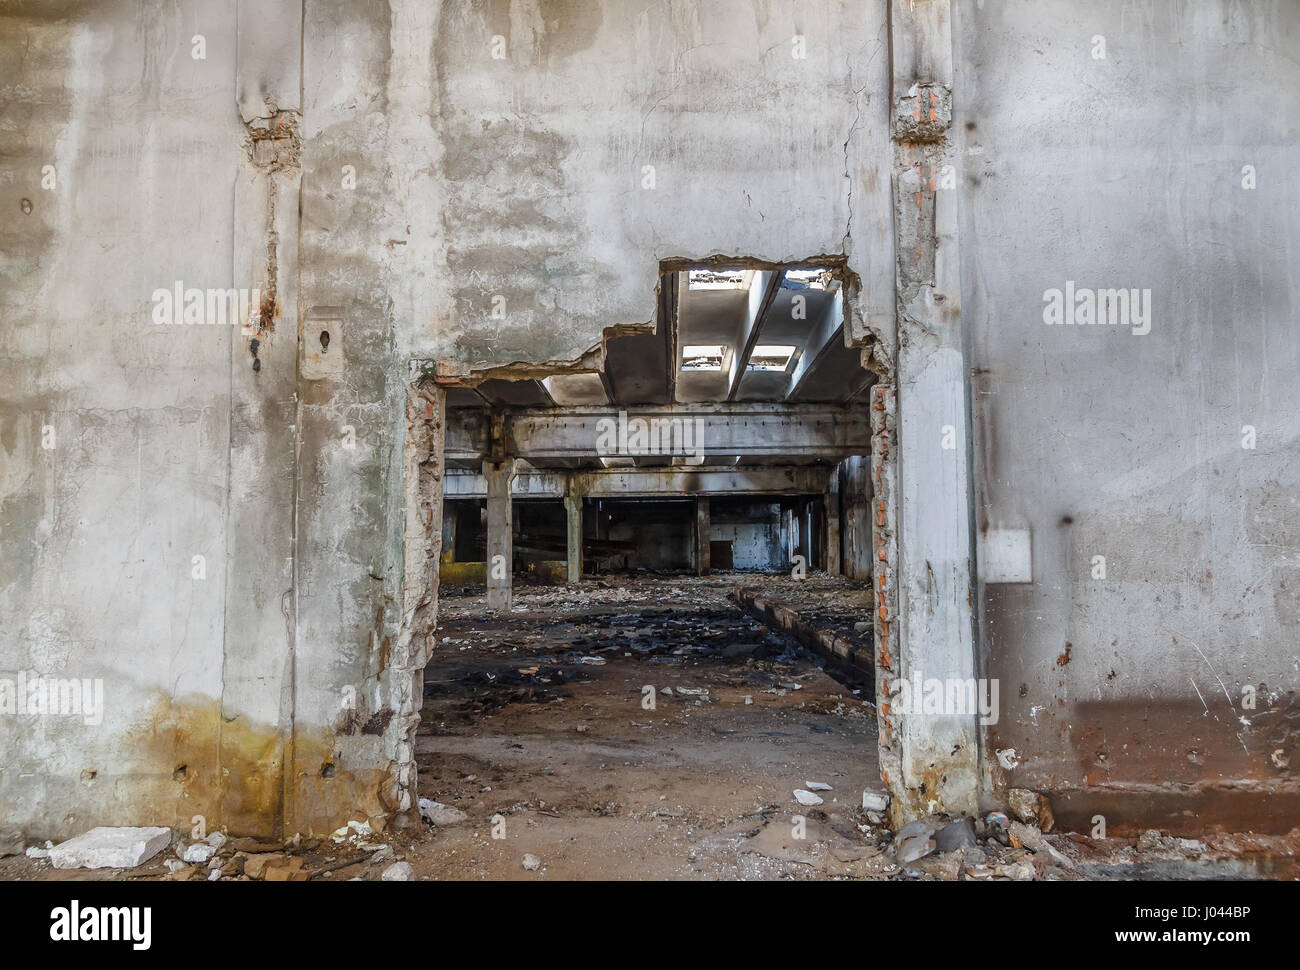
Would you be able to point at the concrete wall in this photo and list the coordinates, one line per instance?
(755, 533)
(383, 177)
(1091, 441)
(116, 433)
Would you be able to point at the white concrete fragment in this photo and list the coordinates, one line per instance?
(352, 830)
(436, 813)
(398, 872)
(199, 852)
(108, 847)
(874, 801)
(531, 862)
(806, 797)
(817, 786)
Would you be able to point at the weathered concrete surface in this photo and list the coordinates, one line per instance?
(1127, 171)
(399, 178)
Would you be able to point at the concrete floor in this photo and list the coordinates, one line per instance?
(543, 723)
(537, 726)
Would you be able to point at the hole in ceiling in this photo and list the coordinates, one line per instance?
(774, 357)
(721, 279)
(817, 278)
(696, 357)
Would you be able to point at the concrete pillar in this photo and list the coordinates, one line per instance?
(831, 520)
(806, 532)
(573, 506)
(933, 635)
(450, 513)
(500, 525)
(703, 532)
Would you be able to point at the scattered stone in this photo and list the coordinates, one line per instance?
(913, 847)
(436, 813)
(957, 834)
(39, 852)
(1031, 808)
(255, 845)
(817, 786)
(353, 830)
(1017, 871)
(201, 852)
(1151, 841)
(1034, 840)
(946, 866)
(861, 626)
(174, 865)
(398, 872)
(290, 870)
(254, 865)
(922, 826)
(875, 801)
(806, 797)
(382, 855)
(214, 875)
(107, 847)
(532, 863)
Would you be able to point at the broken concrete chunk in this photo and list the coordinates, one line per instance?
(353, 830)
(922, 826)
(398, 872)
(108, 847)
(817, 786)
(1031, 808)
(957, 834)
(874, 801)
(436, 813)
(1018, 871)
(203, 851)
(806, 797)
(255, 864)
(913, 847)
(532, 863)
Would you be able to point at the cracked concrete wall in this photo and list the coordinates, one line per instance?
(1124, 678)
(372, 173)
(441, 183)
(380, 177)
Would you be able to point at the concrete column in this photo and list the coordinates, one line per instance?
(500, 526)
(450, 512)
(703, 532)
(831, 520)
(933, 635)
(573, 506)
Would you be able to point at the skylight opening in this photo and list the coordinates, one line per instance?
(818, 278)
(721, 279)
(702, 357)
(771, 357)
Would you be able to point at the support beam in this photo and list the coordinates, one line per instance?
(831, 519)
(761, 294)
(573, 506)
(703, 534)
(500, 526)
(450, 514)
(652, 431)
(938, 755)
(620, 483)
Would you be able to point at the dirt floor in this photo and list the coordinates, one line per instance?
(643, 727)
